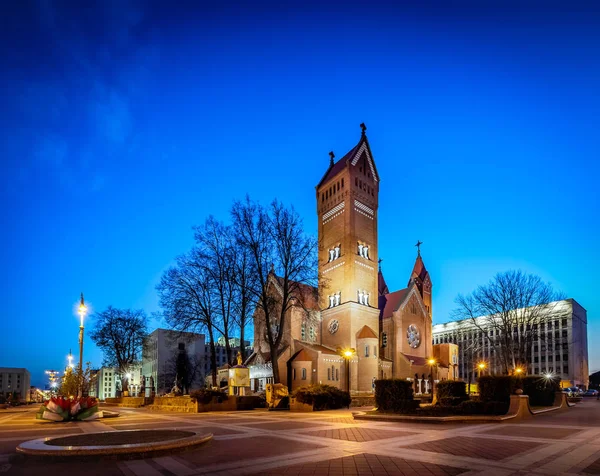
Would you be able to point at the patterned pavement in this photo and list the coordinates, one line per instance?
(329, 443)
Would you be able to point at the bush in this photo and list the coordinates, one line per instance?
(451, 392)
(323, 397)
(541, 390)
(2, 400)
(394, 395)
(206, 395)
(497, 388)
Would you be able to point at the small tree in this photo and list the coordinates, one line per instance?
(508, 312)
(120, 334)
(69, 383)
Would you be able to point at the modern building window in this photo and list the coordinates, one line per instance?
(565, 369)
(181, 346)
(564, 333)
(564, 323)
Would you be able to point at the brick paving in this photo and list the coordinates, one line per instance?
(364, 465)
(358, 434)
(476, 447)
(331, 443)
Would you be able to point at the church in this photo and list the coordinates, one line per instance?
(353, 330)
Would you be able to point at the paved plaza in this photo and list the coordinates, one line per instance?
(328, 443)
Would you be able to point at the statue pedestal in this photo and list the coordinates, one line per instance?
(239, 380)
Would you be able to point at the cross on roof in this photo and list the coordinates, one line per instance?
(379, 262)
(418, 245)
(363, 127)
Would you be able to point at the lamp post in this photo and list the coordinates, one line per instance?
(81, 311)
(431, 363)
(480, 368)
(347, 354)
(518, 371)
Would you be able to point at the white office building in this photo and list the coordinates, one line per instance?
(15, 380)
(160, 352)
(561, 349)
(108, 383)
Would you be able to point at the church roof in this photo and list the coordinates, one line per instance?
(337, 167)
(316, 347)
(307, 296)
(382, 287)
(419, 270)
(416, 360)
(302, 356)
(367, 333)
(390, 302)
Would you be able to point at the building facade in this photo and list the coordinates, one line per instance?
(352, 311)
(561, 349)
(15, 382)
(160, 352)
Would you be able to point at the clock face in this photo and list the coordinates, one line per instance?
(413, 336)
(333, 326)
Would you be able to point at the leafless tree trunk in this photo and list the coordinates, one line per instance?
(508, 312)
(187, 301)
(282, 257)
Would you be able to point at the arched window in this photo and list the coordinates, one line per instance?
(328, 374)
(303, 374)
(366, 350)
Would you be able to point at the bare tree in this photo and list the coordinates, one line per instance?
(120, 334)
(246, 287)
(185, 295)
(282, 257)
(214, 242)
(508, 312)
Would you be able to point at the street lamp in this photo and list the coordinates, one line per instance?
(347, 355)
(81, 311)
(432, 364)
(518, 370)
(480, 368)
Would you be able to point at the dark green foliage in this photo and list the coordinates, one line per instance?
(2, 400)
(451, 392)
(206, 395)
(541, 390)
(497, 388)
(451, 401)
(394, 395)
(323, 397)
(465, 408)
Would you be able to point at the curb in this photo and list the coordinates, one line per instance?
(39, 449)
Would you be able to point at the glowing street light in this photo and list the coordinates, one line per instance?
(347, 355)
(81, 311)
(481, 366)
(549, 376)
(432, 365)
(518, 370)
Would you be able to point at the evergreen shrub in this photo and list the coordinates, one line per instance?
(451, 393)
(323, 397)
(497, 388)
(394, 395)
(206, 395)
(541, 390)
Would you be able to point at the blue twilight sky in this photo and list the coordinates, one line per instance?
(125, 123)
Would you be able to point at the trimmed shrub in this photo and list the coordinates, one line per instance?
(541, 390)
(394, 395)
(323, 397)
(451, 392)
(497, 388)
(206, 395)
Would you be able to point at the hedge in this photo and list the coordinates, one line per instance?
(323, 397)
(541, 390)
(451, 392)
(394, 395)
(206, 395)
(497, 388)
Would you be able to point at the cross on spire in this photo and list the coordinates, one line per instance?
(418, 245)
(331, 157)
(363, 127)
(379, 262)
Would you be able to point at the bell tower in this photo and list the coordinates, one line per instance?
(347, 202)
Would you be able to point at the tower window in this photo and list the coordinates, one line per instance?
(338, 186)
(342, 183)
(303, 374)
(366, 350)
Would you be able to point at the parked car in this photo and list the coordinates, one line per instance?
(573, 391)
(591, 393)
